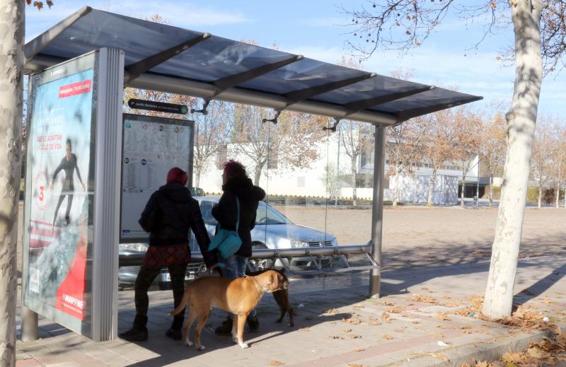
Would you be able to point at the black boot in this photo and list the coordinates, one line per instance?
(174, 331)
(225, 329)
(253, 323)
(138, 332)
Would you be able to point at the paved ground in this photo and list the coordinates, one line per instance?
(437, 236)
(422, 320)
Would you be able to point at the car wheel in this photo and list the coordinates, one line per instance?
(260, 264)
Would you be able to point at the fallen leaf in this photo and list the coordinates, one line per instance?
(330, 312)
(423, 299)
(388, 337)
(353, 321)
(395, 309)
(441, 356)
(275, 362)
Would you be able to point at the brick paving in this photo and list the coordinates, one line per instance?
(415, 323)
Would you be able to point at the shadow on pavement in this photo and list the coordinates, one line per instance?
(169, 351)
(540, 286)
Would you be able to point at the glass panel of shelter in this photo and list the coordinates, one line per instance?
(306, 169)
(294, 186)
(350, 183)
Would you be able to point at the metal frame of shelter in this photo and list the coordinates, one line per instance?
(170, 59)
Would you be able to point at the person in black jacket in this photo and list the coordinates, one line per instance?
(168, 216)
(236, 184)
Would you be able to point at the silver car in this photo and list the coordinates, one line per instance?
(273, 230)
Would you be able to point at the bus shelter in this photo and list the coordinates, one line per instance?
(78, 71)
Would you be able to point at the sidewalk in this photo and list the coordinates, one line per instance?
(423, 319)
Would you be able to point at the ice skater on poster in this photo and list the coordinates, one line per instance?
(68, 165)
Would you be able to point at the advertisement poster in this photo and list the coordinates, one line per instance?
(152, 146)
(57, 192)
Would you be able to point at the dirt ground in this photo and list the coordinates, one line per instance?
(415, 235)
(427, 236)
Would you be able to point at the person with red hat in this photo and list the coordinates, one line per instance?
(168, 216)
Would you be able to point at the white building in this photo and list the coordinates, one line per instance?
(330, 176)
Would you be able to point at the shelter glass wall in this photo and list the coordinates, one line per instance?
(318, 181)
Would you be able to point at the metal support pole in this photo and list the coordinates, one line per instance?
(29, 325)
(377, 209)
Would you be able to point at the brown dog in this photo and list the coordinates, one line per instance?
(281, 297)
(239, 297)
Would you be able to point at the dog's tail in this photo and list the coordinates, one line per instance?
(182, 305)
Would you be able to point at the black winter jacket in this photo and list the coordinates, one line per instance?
(225, 211)
(168, 216)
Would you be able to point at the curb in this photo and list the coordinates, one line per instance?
(471, 353)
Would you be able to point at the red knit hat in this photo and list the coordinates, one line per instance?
(177, 175)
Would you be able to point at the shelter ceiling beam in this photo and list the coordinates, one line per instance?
(307, 93)
(233, 80)
(408, 114)
(135, 70)
(357, 106)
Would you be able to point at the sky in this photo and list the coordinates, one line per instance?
(320, 29)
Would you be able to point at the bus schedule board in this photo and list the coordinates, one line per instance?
(151, 147)
(59, 190)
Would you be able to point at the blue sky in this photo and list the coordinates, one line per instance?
(318, 29)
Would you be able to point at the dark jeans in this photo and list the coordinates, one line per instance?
(146, 276)
(69, 196)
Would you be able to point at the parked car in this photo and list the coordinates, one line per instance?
(197, 191)
(273, 230)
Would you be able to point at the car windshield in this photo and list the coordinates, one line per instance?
(267, 215)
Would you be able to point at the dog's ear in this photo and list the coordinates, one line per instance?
(272, 278)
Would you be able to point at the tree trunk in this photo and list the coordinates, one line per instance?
(198, 172)
(521, 120)
(257, 175)
(463, 190)
(557, 196)
(396, 190)
(431, 184)
(490, 191)
(11, 60)
(540, 195)
(354, 179)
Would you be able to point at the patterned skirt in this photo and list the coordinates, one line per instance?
(162, 256)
